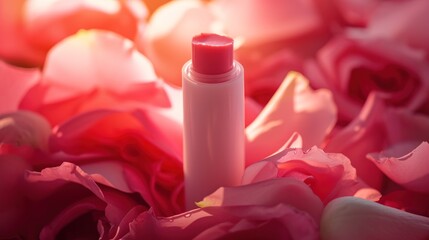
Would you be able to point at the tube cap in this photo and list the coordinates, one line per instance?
(212, 54)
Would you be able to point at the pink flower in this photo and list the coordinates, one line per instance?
(91, 70)
(352, 67)
(65, 202)
(354, 218)
(30, 28)
(128, 149)
(251, 211)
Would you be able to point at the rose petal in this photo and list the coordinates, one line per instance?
(293, 108)
(104, 59)
(410, 170)
(111, 75)
(267, 193)
(330, 175)
(355, 218)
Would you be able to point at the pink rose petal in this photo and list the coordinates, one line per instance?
(267, 193)
(410, 170)
(293, 108)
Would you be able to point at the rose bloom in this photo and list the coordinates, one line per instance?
(29, 28)
(353, 66)
(54, 202)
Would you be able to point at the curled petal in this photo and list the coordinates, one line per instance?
(267, 193)
(355, 219)
(410, 170)
(293, 108)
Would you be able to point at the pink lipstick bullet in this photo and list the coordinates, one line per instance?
(213, 98)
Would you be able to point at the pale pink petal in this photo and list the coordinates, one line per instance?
(293, 108)
(267, 168)
(93, 70)
(356, 219)
(410, 170)
(260, 171)
(330, 175)
(278, 222)
(92, 59)
(267, 193)
(261, 21)
(14, 84)
(166, 38)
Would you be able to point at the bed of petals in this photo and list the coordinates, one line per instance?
(337, 119)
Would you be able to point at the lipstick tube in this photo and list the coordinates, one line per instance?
(213, 98)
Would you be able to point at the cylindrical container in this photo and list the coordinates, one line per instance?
(213, 119)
